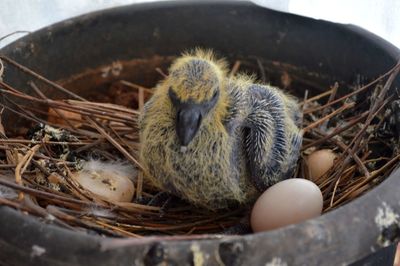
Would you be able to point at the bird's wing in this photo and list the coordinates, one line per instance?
(236, 103)
(266, 137)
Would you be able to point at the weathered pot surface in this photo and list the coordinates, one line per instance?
(235, 29)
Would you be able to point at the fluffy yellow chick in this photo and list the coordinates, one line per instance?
(216, 140)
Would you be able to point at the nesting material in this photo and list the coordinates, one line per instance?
(64, 118)
(1, 70)
(7, 193)
(108, 180)
(356, 122)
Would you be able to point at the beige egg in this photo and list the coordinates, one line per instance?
(107, 181)
(287, 202)
(319, 162)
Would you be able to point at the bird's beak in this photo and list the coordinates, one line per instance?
(188, 121)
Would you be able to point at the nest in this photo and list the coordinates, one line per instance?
(356, 126)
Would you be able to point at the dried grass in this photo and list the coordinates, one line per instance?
(350, 124)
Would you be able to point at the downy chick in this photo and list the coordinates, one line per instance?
(215, 140)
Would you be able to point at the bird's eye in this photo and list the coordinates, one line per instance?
(172, 95)
(214, 98)
(215, 95)
(199, 118)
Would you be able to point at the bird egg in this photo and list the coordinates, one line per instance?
(106, 181)
(319, 162)
(287, 202)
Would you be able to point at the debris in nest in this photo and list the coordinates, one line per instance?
(7, 193)
(100, 212)
(37, 251)
(76, 135)
(1, 70)
(114, 69)
(388, 223)
(276, 262)
(44, 133)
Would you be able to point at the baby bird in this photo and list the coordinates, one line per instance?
(216, 140)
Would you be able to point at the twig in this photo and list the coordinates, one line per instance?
(336, 132)
(159, 70)
(25, 141)
(395, 69)
(40, 93)
(235, 68)
(262, 70)
(355, 157)
(136, 86)
(21, 166)
(341, 109)
(1, 70)
(316, 97)
(139, 186)
(114, 143)
(376, 107)
(39, 77)
(331, 97)
(374, 174)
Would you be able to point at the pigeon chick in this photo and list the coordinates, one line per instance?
(215, 140)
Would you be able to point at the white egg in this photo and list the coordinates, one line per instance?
(319, 162)
(109, 180)
(287, 202)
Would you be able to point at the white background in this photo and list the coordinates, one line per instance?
(379, 16)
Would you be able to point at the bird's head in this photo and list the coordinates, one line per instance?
(196, 89)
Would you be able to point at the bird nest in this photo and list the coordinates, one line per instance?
(35, 171)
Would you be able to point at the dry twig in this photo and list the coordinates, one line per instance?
(111, 131)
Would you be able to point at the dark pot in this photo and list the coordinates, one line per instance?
(235, 29)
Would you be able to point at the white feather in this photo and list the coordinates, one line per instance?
(119, 168)
(7, 193)
(100, 212)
